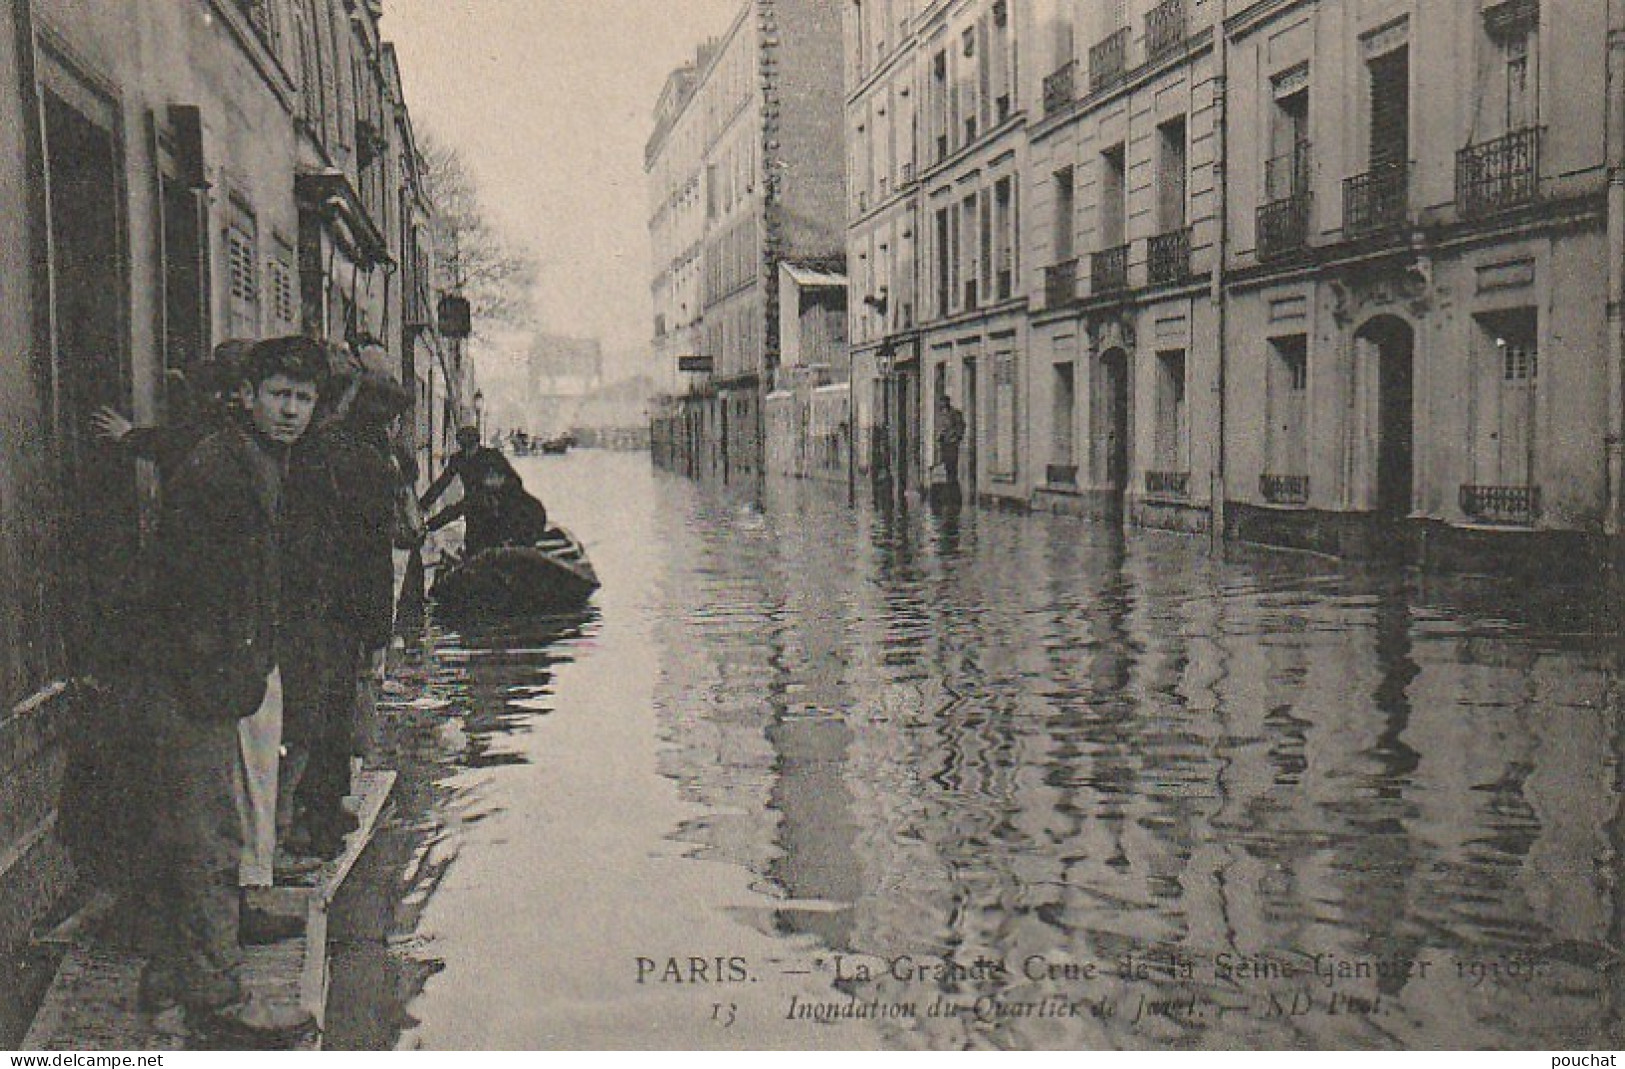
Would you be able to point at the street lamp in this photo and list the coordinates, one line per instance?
(479, 413)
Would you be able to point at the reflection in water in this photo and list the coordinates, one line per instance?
(1299, 804)
(460, 703)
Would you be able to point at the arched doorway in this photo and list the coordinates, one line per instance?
(1392, 342)
(1114, 420)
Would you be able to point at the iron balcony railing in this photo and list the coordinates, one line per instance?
(1288, 174)
(1284, 489)
(1165, 29)
(1376, 201)
(1061, 283)
(1283, 226)
(1499, 174)
(1061, 474)
(1108, 61)
(1060, 87)
(1168, 483)
(1108, 270)
(1501, 504)
(1168, 257)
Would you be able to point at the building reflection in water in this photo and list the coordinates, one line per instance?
(977, 734)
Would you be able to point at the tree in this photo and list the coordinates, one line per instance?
(497, 276)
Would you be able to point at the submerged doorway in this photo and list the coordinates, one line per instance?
(1391, 342)
(1114, 422)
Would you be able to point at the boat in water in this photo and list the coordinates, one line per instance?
(552, 576)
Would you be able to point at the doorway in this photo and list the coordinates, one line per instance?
(101, 519)
(1114, 381)
(1392, 341)
(972, 430)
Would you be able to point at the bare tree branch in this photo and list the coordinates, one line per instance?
(496, 275)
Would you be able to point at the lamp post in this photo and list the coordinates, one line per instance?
(479, 413)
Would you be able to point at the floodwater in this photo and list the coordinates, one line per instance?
(814, 776)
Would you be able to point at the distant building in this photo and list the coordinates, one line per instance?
(745, 172)
(559, 372)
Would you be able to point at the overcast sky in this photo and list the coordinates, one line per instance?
(549, 103)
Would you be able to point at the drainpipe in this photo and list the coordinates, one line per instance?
(1613, 521)
(1221, 244)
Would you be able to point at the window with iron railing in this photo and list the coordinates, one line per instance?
(1283, 222)
(1108, 61)
(1165, 29)
(1168, 257)
(1376, 201)
(1059, 87)
(1061, 283)
(1169, 484)
(1511, 505)
(1499, 174)
(1108, 270)
(1284, 489)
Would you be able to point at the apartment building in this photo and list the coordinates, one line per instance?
(1123, 219)
(745, 174)
(1281, 269)
(1419, 356)
(973, 319)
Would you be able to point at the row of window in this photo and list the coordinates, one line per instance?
(248, 289)
(732, 259)
(1501, 413)
(971, 85)
(974, 248)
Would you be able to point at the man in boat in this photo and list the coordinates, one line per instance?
(216, 610)
(468, 466)
(501, 513)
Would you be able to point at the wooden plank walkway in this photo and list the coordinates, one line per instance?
(91, 1003)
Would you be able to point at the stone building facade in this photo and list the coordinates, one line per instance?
(1320, 273)
(176, 172)
(744, 174)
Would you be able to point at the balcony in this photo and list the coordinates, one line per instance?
(1108, 61)
(1169, 257)
(1061, 283)
(1376, 201)
(1283, 226)
(1499, 174)
(1511, 17)
(1510, 505)
(1168, 484)
(1165, 29)
(1284, 489)
(1108, 270)
(1061, 475)
(1060, 88)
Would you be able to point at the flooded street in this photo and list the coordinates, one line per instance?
(892, 780)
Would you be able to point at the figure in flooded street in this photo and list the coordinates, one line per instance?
(217, 599)
(503, 514)
(495, 505)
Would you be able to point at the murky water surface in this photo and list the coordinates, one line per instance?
(993, 781)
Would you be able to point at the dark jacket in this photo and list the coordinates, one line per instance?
(217, 581)
(470, 469)
(340, 511)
